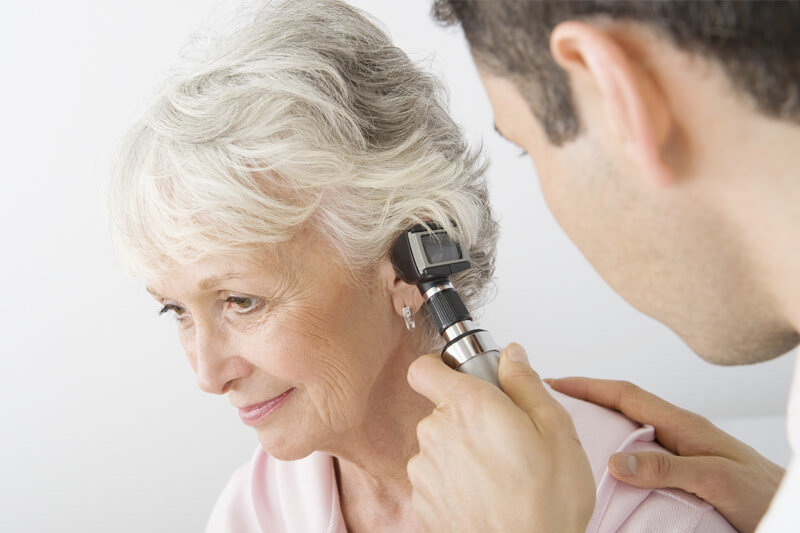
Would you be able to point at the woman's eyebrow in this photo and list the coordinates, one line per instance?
(154, 294)
(210, 282)
(203, 285)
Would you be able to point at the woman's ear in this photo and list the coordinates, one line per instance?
(402, 294)
(630, 98)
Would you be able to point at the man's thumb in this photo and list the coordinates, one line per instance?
(654, 470)
(520, 382)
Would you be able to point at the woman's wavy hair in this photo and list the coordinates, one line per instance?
(301, 114)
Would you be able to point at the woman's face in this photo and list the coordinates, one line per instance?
(295, 331)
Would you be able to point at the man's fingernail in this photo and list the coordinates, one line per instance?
(624, 464)
(515, 352)
(549, 381)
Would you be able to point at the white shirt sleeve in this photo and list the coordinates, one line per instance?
(784, 511)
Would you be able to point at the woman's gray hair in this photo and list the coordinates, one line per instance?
(301, 115)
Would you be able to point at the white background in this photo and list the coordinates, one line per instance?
(103, 428)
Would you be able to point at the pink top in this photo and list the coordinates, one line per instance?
(268, 495)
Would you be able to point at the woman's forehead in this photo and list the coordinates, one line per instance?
(286, 263)
(210, 272)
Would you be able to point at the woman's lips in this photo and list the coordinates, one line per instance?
(253, 414)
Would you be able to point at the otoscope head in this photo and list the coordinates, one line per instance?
(423, 255)
(427, 257)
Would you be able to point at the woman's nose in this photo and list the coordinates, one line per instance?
(214, 360)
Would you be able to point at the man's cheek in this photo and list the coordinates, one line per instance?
(555, 185)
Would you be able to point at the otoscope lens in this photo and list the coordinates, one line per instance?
(440, 248)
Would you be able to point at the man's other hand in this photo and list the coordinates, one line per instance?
(716, 467)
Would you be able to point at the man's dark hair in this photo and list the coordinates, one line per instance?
(757, 43)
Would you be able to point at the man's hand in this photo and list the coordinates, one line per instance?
(490, 461)
(723, 471)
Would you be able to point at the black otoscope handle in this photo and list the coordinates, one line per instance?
(468, 349)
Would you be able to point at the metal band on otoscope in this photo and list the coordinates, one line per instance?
(438, 288)
(457, 330)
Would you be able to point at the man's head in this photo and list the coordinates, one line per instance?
(662, 133)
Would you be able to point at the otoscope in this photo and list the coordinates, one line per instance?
(427, 256)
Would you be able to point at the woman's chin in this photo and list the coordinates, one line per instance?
(284, 450)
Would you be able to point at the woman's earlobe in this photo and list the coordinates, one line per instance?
(417, 300)
(402, 294)
(406, 296)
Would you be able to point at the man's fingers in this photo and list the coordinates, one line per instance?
(654, 470)
(431, 377)
(622, 396)
(523, 385)
(635, 403)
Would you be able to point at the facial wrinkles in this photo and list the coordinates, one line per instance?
(253, 334)
(304, 337)
(216, 321)
(333, 386)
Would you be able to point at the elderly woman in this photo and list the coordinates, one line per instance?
(259, 197)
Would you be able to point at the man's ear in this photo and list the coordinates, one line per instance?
(402, 294)
(631, 99)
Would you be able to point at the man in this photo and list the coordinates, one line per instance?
(666, 136)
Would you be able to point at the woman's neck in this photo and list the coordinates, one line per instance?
(371, 459)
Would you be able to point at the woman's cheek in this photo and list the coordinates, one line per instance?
(311, 353)
(334, 405)
(330, 384)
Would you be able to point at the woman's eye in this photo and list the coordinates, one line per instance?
(243, 304)
(178, 311)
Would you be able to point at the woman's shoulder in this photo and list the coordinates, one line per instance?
(267, 494)
(602, 431)
(621, 507)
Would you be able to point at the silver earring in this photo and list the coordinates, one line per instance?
(409, 318)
